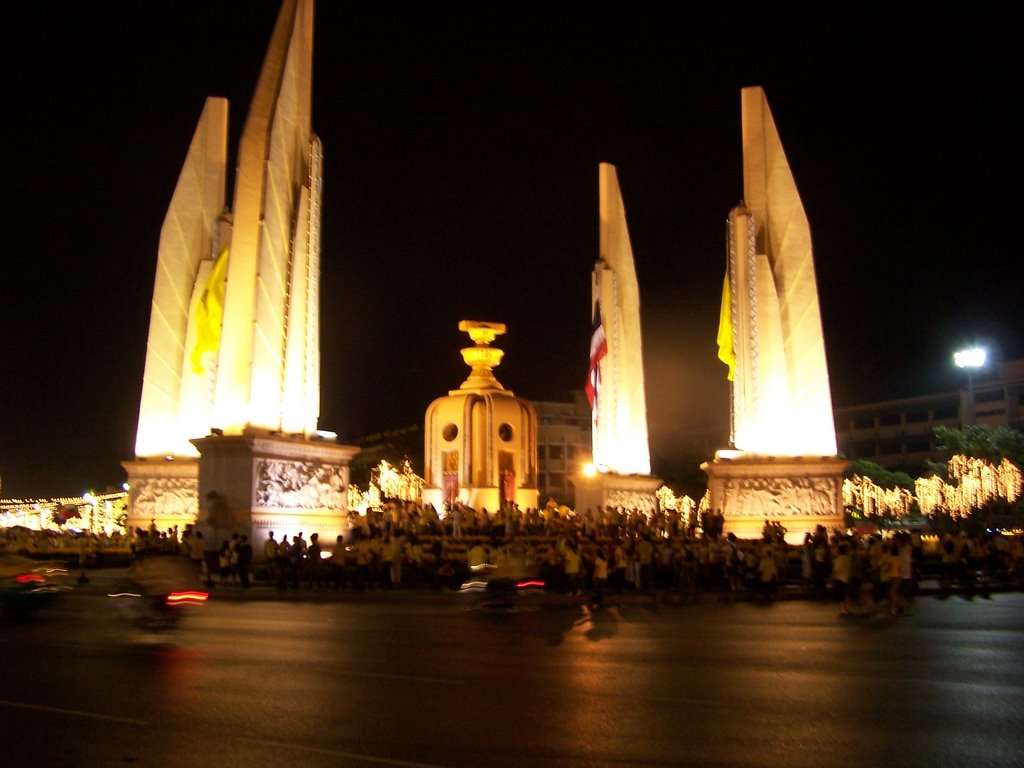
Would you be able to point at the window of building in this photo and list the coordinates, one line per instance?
(863, 449)
(555, 451)
(918, 443)
(890, 447)
(992, 396)
(990, 411)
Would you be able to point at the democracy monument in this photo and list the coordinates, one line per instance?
(228, 436)
(782, 463)
(227, 432)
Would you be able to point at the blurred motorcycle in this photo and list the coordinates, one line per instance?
(156, 592)
(502, 587)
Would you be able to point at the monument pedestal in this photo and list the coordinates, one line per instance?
(253, 484)
(162, 492)
(612, 490)
(798, 492)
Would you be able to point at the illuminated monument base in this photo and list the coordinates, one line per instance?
(799, 493)
(247, 484)
(627, 492)
(164, 493)
(256, 483)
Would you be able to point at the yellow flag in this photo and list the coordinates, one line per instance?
(210, 313)
(726, 350)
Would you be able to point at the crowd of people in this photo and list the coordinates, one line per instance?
(593, 553)
(87, 547)
(611, 552)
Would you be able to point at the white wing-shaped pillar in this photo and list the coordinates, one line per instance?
(168, 416)
(276, 220)
(782, 403)
(620, 440)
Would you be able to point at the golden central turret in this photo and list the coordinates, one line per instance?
(482, 358)
(480, 441)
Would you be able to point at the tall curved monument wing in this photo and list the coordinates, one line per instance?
(231, 396)
(234, 332)
(782, 404)
(274, 246)
(616, 383)
(174, 408)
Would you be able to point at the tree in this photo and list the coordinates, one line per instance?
(879, 475)
(992, 445)
(682, 473)
(982, 442)
(885, 505)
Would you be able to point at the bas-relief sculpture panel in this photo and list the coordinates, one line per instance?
(299, 485)
(166, 498)
(624, 499)
(780, 497)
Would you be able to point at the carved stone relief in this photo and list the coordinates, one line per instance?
(780, 497)
(623, 499)
(166, 498)
(299, 485)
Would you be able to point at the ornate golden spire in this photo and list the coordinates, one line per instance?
(482, 358)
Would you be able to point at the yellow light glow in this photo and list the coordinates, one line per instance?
(862, 493)
(97, 513)
(386, 482)
(668, 500)
(589, 470)
(976, 483)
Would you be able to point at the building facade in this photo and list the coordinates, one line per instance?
(897, 434)
(563, 446)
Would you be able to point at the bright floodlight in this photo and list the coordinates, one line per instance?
(970, 358)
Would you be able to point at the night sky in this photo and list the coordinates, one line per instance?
(461, 147)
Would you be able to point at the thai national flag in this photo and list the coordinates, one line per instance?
(598, 349)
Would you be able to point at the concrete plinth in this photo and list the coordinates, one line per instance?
(619, 491)
(799, 493)
(162, 492)
(254, 484)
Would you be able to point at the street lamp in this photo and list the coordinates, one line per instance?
(969, 359)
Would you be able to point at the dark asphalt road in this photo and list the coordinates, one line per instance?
(274, 683)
